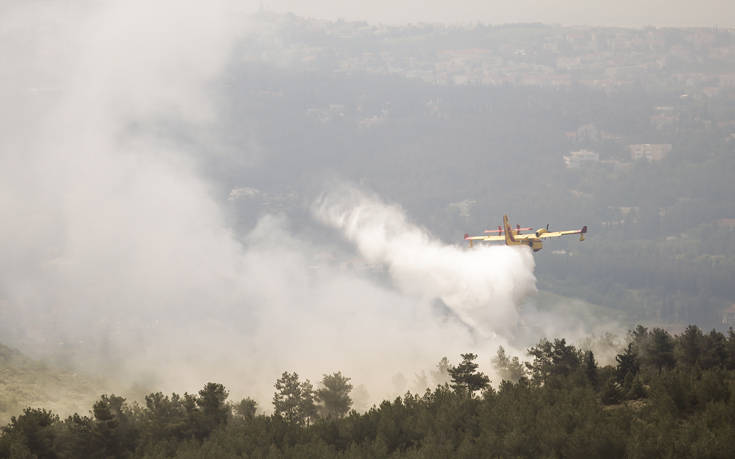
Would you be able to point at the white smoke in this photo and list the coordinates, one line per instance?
(483, 286)
(111, 250)
(115, 255)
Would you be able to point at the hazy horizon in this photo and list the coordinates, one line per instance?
(626, 13)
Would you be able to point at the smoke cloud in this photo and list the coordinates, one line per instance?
(116, 255)
(483, 286)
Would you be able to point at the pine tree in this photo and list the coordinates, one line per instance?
(213, 411)
(661, 349)
(508, 369)
(553, 360)
(113, 433)
(287, 398)
(689, 346)
(466, 378)
(307, 404)
(294, 400)
(246, 409)
(627, 363)
(31, 434)
(334, 395)
(714, 350)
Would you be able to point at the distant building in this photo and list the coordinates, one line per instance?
(651, 152)
(576, 159)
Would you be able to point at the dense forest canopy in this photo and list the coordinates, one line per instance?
(665, 396)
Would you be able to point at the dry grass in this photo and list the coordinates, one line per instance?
(25, 382)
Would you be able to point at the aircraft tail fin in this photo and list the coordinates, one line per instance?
(509, 239)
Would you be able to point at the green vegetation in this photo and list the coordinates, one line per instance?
(666, 396)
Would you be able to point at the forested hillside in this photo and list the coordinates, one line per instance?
(666, 396)
(487, 120)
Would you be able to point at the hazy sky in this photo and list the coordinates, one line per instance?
(637, 13)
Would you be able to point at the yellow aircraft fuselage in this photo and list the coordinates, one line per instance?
(511, 237)
(515, 237)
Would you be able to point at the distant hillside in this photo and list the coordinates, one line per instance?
(25, 382)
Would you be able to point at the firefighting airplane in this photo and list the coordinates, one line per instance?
(515, 237)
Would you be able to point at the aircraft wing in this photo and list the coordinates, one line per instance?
(485, 238)
(562, 233)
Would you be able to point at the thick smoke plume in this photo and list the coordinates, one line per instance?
(483, 286)
(116, 257)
